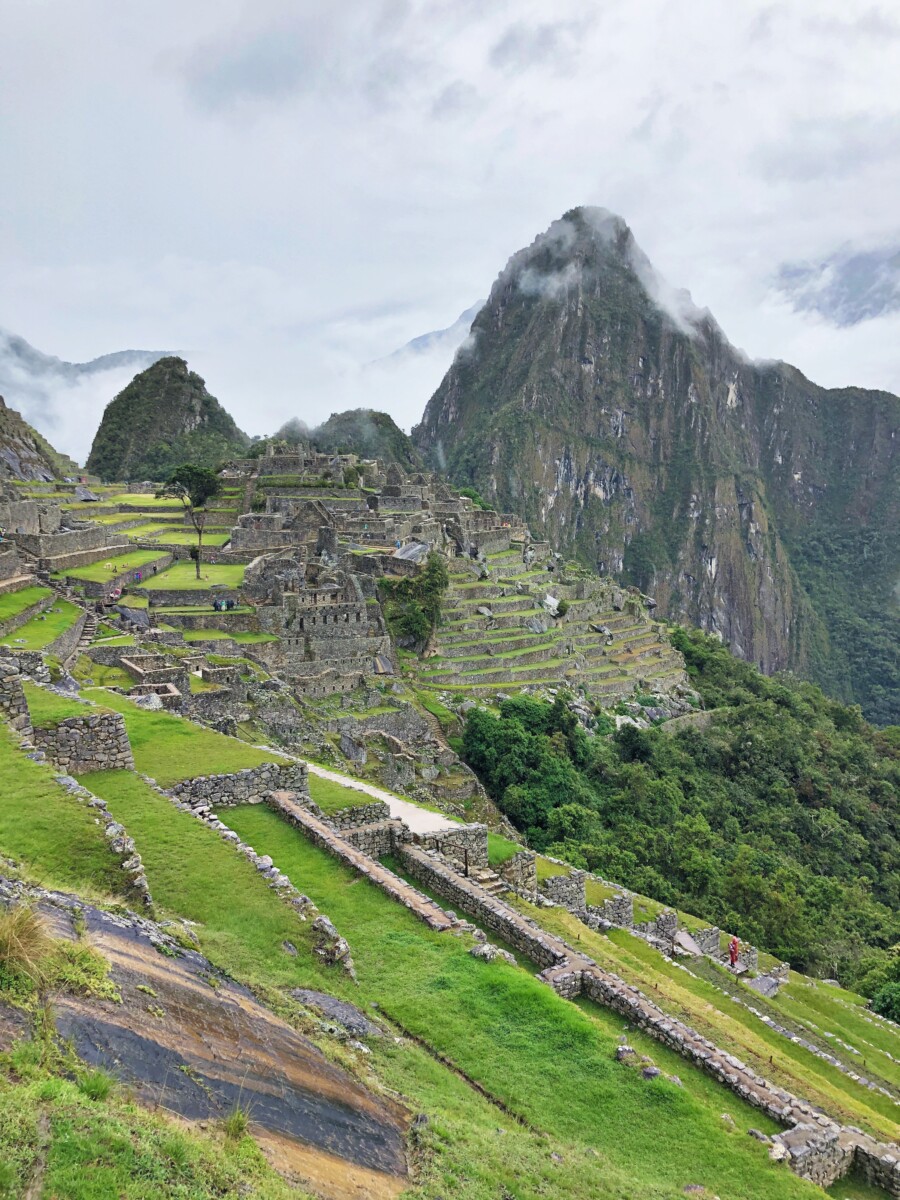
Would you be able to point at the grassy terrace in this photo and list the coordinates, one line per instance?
(179, 537)
(43, 629)
(108, 568)
(548, 1061)
(55, 839)
(182, 576)
(214, 635)
(501, 849)
(170, 748)
(697, 1001)
(49, 708)
(13, 603)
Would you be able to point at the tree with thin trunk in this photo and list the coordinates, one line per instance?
(194, 486)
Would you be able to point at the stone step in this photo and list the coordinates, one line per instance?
(15, 583)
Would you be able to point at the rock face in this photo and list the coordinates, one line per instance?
(616, 418)
(163, 418)
(24, 454)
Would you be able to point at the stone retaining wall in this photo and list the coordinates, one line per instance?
(67, 642)
(375, 840)
(97, 741)
(520, 871)
(567, 890)
(487, 911)
(242, 787)
(94, 590)
(467, 843)
(13, 705)
(617, 910)
(358, 814)
(709, 940)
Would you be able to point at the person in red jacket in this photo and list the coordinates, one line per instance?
(734, 947)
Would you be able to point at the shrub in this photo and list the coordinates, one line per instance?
(886, 1001)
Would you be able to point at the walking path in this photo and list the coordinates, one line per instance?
(419, 820)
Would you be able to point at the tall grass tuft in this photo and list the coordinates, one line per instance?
(24, 944)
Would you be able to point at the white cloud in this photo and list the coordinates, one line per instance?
(285, 192)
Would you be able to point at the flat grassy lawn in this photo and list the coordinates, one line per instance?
(205, 635)
(196, 874)
(13, 603)
(49, 708)
(182, 576)
(45, 628)
(170, 748)
(596, 892)
(55, 839)
(187, 537)
(148, 501)
(99, 572)
(548, 1061)
(143, 531)
(501, 849)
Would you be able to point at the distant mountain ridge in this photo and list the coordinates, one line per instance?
(616, 417)
(447, 340)
(64, 398)
(163, 418)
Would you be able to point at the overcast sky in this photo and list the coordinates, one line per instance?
(284, 190)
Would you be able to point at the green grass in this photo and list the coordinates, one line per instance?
(55, 839)
(501, 849)
(182, 576)
(99, 572)
(196, 874)
(550, 1062)
(205, 635)
(42, 630)
(111, 1149)
(546, 869)
(180, 537)
(49, 708)
(13, 603)
(596, 892)
(99, 675)
(148, 501)
(331, 797)
(170, 748)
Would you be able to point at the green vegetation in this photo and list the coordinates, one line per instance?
(412, 605)
(49, 708)
(195, 487)
(165, 417)
(369, 434)
(86, 1140)
(13, 603)
(501, 849)
(778, 822)
(43, 629)
(182, 576)
(474, 496)
(331, 797)
(54, 838)
(109, 568)
(170, 748)
(549, 1061)
(86, 671)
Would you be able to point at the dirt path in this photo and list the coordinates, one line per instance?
(419, 820)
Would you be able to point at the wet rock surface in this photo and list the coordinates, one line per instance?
(189, 1040)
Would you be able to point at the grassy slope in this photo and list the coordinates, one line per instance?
(171, 749)
(43, 629)
(49, 708)
(548, 1061)
(55, 839)
(99, 572)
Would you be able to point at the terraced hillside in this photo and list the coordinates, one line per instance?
(497, 635)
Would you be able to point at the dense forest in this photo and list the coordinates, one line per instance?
(778, 821)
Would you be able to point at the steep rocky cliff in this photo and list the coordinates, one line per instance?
(617, 418)
(369, 434)
(24, 454)
(163, 418)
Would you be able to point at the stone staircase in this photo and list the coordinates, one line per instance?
(88, 633)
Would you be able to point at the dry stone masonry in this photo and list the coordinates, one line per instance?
(97, 741)
(249, 786)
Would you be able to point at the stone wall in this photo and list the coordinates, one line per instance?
(374, 840)
(466, 843)
(492, 914)
(64, 646)
(72, 541)
(100, 591)
(242, 787)
(13, 705)
(567, 890)
(520, 871)
(359, 814)
(617, 910)
(97, 741)
(879, 1166)
(709, 940)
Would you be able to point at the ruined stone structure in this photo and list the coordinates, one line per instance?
(249, 786)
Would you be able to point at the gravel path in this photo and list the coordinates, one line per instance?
(419, 820)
